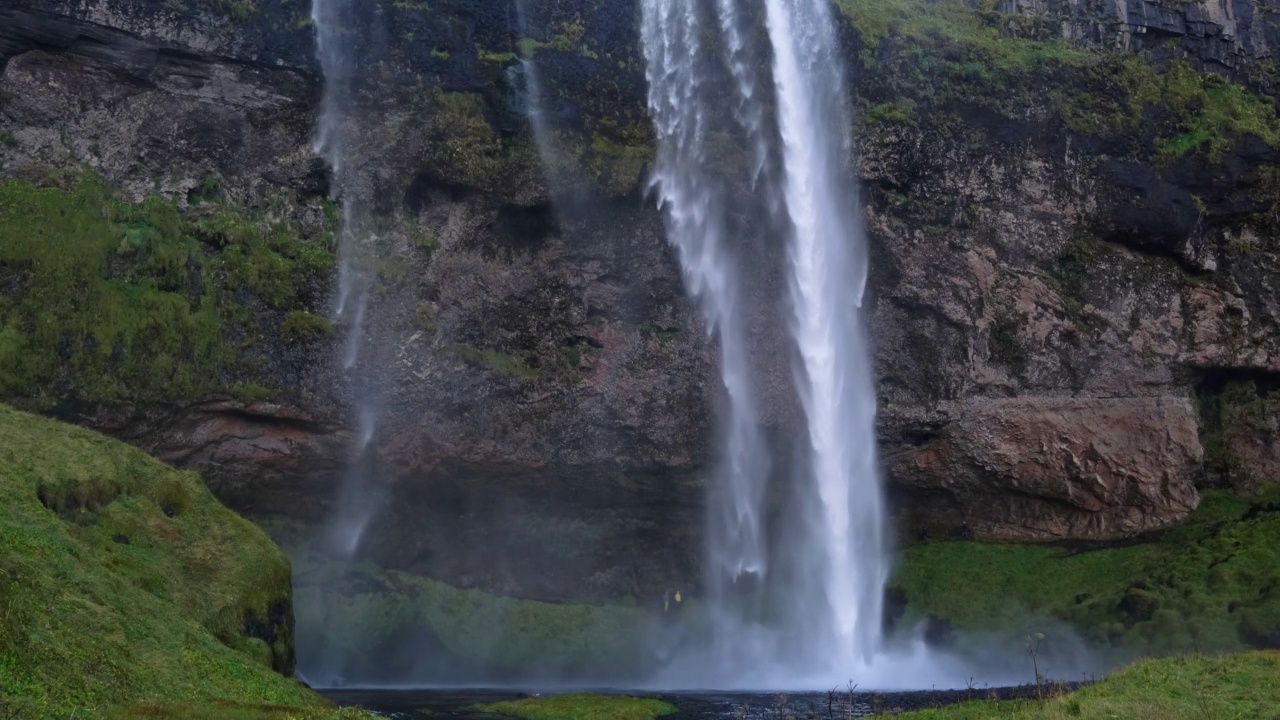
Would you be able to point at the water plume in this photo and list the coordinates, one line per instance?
(813, 609)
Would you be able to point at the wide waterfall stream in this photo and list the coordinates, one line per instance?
(809, 609)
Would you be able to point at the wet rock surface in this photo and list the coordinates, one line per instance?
(1045, 302)
(1060, 468)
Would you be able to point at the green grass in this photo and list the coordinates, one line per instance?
(110, 301)
(581, 707)
(1194, 687)
(956, 30)
(1212, 113)
(124, 582)
(362, 609)
(1205, 586)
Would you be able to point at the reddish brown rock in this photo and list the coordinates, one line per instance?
(1050, 468)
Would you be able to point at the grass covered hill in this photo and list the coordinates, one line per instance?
(1208, 585)
(1193, 687)
(128, 591)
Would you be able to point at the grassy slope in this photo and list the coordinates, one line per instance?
(123, 581)
(364, 609)
(1208, 585)
(581, 707)
(1241, 686)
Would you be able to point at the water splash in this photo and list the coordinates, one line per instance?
(828, 570)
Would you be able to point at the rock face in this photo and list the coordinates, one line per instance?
(1228, 33)
(1056, 275)
(1060, 467)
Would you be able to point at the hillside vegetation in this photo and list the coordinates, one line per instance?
(113, 301)
(128, 591)
(1207, 586)
(1193, 687)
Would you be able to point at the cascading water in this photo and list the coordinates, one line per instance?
(335, 21)
(696, 225)
(828, 279)
(835, 567)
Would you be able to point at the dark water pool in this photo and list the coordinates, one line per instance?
(456, 704)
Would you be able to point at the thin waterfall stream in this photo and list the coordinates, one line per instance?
(357, 243)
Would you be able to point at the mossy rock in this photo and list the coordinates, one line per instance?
(125, 587)
(107, 301)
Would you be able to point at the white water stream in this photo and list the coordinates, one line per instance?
(335, 141)
(792, 112)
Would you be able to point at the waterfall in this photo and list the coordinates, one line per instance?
(828, 278)
(696, 225)
(829, 569)
(338, 142)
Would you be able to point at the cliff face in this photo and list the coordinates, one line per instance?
(1072, 211)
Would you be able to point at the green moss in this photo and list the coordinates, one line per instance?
(1193, 687)
(7, 139)
(113, 301)
(618, 166)
(237, 9)
(581, 707)
(1192, 588)
(123, 581)
(302, 326)
(424, 317)
(1212, 114)
(467, 148)
(1234, 407)
(104, 297)
(427, 241)
(250, 393)
(944, 51)
(1122, 87)
(1075, 270)
(969, 34)
(209, 191)
(502, 58)
(896, 112)
(527, 47)
(499, 362)
(570, 38)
